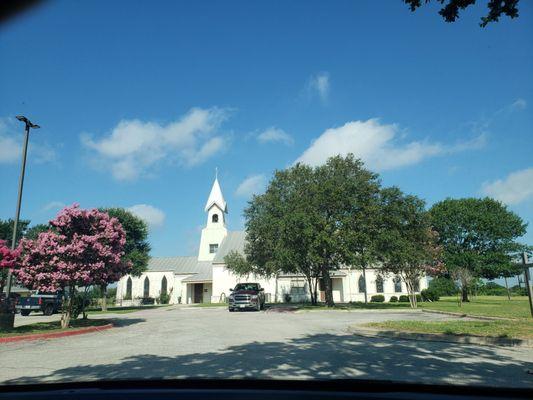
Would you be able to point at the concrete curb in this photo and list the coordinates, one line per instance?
(439, 337)
(53, 335)
(462, 315)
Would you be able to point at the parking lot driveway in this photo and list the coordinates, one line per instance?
(178, 342)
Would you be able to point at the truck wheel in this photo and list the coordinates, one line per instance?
(231, 309)
(48, 309)
(258, 307)
(24, 313)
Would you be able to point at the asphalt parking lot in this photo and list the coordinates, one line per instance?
(181, 342)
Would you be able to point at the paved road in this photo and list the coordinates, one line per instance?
(179, 342)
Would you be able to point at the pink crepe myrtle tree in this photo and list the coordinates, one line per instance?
(83, 247)
(8, 259)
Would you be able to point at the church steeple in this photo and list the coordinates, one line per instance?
(215, 230)
(216, 197)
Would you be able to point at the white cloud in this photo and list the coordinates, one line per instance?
(10, 150)
(154, 217)
(515, 188)
(274, 134)
(376, 145)
(11, 136)
(135, 147)
(252, 185)
(319, 84)
(54, 205)
(519, 104)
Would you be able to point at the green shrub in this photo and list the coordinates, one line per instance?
(377, 298)
(429, 295)
(492, 289)
(443, 286)
(393, 299)
(164, 298)
(403, 299)
(418, 298)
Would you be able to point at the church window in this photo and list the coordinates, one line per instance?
(297, 287)
(397, 284)
(128, 289)
(213, 248)
(214, 218)
(379, 284)
(361, 284)
(164, 285)
(146, 292)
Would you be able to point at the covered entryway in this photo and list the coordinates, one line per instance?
(198, 294)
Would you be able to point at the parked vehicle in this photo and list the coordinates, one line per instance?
(246, 296)
(47, 303)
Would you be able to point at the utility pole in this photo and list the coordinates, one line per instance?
(28, 125)
(527, 282)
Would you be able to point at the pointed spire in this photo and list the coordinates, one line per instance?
(216, 197)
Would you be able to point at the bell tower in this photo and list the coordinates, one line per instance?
(215, 229)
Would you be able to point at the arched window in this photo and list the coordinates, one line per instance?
(361, 284)
(128, 288)
(397, 284)
(164, 285)
(146, 292)
(379, 284)
(214, 218)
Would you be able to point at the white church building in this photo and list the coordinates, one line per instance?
(205, 279)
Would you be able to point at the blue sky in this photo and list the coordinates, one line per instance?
(139, 103)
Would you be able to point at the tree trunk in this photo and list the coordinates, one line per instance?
(464, 294)
(328, 287)
(310, 284)
(507, 287)
(316, 290)
(366, 290)
(83, 312)
(411, 293)
(66, 308)
(104, 297)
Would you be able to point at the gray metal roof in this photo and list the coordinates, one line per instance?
(179, 265)
(234, 240)
(204, 272)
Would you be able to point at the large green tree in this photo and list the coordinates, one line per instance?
(137, 248)
(279, 230)
(314, 220)
(407, 242)
(478, 237)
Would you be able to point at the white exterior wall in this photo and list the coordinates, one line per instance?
(155, 277)
(213, 233)
(223, 280)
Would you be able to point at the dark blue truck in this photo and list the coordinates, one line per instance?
(47, 303)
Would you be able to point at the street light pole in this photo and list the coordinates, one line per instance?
(29, 125)
(527, 279)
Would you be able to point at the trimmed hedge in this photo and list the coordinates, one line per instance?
(429, 295)
(404, 299)
(377, 298)
(393, 299)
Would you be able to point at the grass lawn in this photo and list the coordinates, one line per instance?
(521, 329)
(350, 306)
(54, 326)
(123, 310)
(210, 305)
(492, 306)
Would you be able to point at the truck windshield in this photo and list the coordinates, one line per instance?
(247, 286)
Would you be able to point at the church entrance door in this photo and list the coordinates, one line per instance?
(198, 292)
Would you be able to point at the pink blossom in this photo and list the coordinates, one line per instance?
(84, 247)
